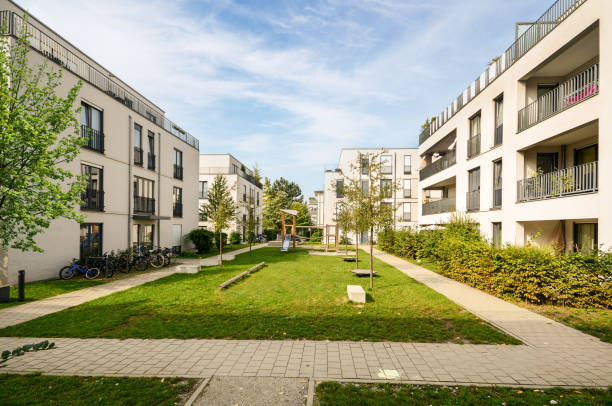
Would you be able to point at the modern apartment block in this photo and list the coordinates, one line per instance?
(398, 166)
(519, 148)
(246, 190)
(315, 208)
(141, 167)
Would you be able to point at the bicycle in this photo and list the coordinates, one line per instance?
(69, 271)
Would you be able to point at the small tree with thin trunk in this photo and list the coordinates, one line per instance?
(220, 209)
(365, 193)
(36, 184)
(250, 223)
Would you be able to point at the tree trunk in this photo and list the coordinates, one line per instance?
(4, 276)
(221, 248)
(371, 258)
(356, 249)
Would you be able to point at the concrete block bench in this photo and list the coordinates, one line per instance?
(356, 293)
(240, 276)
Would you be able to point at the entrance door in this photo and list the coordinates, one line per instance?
(177, 235)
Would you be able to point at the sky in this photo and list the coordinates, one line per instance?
(285, 85)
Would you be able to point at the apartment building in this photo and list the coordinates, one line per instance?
(315, 208)
(397, 167)
(246, 190)
(519, 149)
(141, 167)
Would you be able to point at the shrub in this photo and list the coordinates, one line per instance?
(216, 240)
(235, 237)
(270, 234)
(344, 240)
(316, 236)
(201, 238)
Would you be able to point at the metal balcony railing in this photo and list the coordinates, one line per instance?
(473, 146)
(61, 55)
(439, 206)
(144, 205)
(473, 200)
(94, 139)
(579, 88)
(138, 156)
(565, 182)
(177, 210)
(92, 199)
(151, 161)
(446, 161)
(554, 16)
(178, 171)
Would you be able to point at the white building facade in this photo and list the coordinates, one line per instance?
(519, 150)
(246, 190)
(398, 166)
(141, 167)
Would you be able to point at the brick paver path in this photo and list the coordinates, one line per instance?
(553, 355)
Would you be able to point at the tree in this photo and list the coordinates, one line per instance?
(257, 173)
(291, 190)
(219, 208)
(365, 193)
(280, 194)
(36, 183)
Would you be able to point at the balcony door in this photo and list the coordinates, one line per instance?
(547, 162)
(585, 237)
(473, 200)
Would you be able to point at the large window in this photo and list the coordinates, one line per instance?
(406, 211)
(177, 202)
(143, 235)
(144, 198)
(151, 154)
(339, 187)
(499, 120)
(386, 188)
(386, 164)
(407, 188)
(497, 230)
(93, 196)
(178, 164)
(90, 240)
(365, 164)
(244, 193)
(91, 127)
(474, 140)
(137, 145)
(203, 189)
(497, 183)
(365, 186)
(585, 237)
(177, 236)
(473, 194)
(407, 164)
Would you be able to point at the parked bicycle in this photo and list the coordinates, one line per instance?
(69, 271)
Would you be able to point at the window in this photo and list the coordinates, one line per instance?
(339, 187)
(407, 164)
(90, 240)
(144, 200)
(177, 202)
(407, 188)
(151, 154)
(93, 196)
(244, 194)
(143, 236)
(499, 120)
(91, 127)
(177, 236)
(203, 189)
(497, 229)
(547, 162)
(137, 145)
(258, 199)
(406, 211)
(234, 168)
(178, 164)
(497, 183)
(385, 188)
(473, 194)
(365, 186)
(585, 237)
(365, 163)
(339, 207)
(151, 117)
(386, 209)
(474, 140)
(386, 166)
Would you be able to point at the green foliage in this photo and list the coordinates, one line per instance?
(316, 236)
(277, 195)
(216, 239)
(202, 239)
(235, 237)
(533, 274)
(36, 185)
(270, 234)
(303, 217)
(220, 209)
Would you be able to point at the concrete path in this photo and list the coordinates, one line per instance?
(22, 313)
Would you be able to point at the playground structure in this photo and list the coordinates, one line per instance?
(292, 237)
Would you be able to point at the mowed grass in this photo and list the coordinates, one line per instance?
(43, 289)
(214, 251)
(336, 394)
(296, 296)
(75, 390)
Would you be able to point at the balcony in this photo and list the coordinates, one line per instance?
(581, 87)
(446, 161)
(177, 210)
(178, 172)
(473, 146)
(144, 205)
(138, 156)
(94, 139)
(565, 182)
(473, 200)
(151, 161)
(439, 206)
(93, 199)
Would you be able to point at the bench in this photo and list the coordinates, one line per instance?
(241, 275)
(356, 293)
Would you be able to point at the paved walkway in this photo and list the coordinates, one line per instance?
(553, 355)
(22, 313)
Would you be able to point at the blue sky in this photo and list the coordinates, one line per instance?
(286, 85)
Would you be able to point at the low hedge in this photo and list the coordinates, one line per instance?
(532, 274)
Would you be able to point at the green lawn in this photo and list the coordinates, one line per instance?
(336, 394)
(214, 251)
(43, 289)
(297, 296)
(74, 390)
(597, 322)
